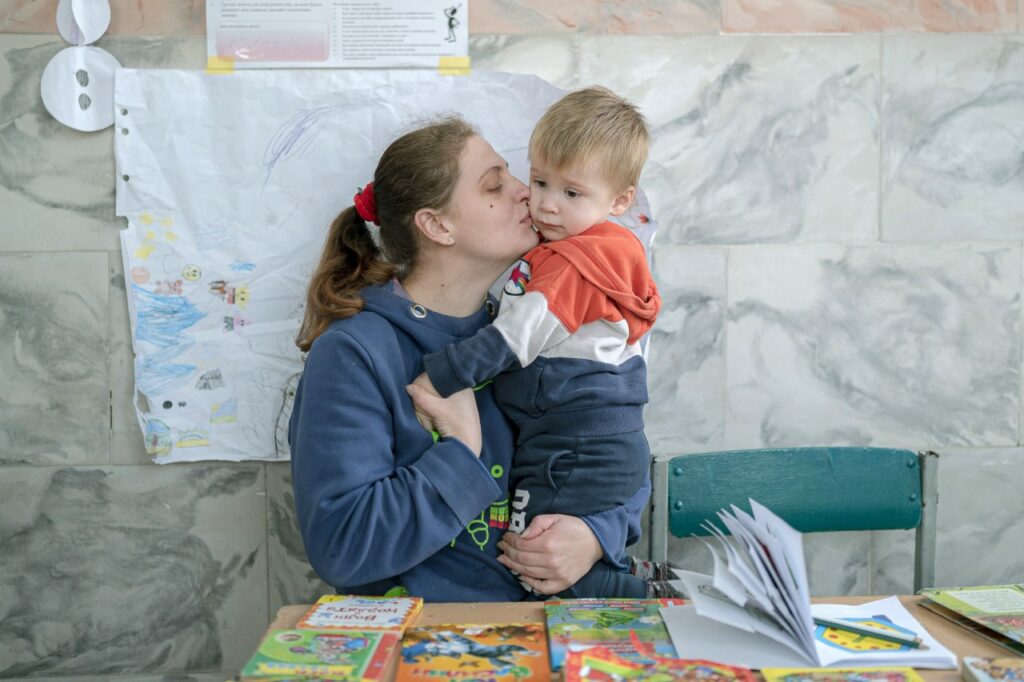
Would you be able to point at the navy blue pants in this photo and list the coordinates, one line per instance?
(581, 476)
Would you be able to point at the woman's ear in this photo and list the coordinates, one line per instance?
(622, 201)
(433, 226)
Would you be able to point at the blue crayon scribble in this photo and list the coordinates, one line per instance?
(292, 138)
(155, 374)
(241, 266)
(161, 319)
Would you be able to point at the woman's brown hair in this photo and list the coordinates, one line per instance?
(418, 170)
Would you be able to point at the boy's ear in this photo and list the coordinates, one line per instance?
(432, 225)
(623, 201)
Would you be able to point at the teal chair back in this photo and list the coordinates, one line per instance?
(814, 489)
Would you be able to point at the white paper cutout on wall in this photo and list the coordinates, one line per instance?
(81, 22)
(77, 85)
(78, 88)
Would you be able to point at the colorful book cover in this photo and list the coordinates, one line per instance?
(616, 624)
(351, 656)
(993, 669)
(600, 664)
(493, 652)
(352, 612)
(998, 607)
(882, 674)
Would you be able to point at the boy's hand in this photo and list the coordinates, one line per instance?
(422, 416)
(453, 417)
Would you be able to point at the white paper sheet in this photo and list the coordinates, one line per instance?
(337, 33)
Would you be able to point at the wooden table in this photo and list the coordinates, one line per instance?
(959, 641)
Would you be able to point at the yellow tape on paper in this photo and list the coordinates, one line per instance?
(453, 66)
(220, 65)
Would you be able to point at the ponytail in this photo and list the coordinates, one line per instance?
(350, 261)
(418, 170)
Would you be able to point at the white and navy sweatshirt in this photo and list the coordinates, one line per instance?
(566, 338)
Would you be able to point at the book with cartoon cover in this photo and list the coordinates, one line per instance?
(997, 607)
(883, 674)
(353, 656)
(354, 612)
(631, 628)
(600, 664)
(493, 652)
(993, 669)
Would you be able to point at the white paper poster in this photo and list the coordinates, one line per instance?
(228, 183)
(337, 33)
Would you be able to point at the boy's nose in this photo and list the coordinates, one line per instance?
(547, 205)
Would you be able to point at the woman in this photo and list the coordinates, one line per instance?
(381, 502)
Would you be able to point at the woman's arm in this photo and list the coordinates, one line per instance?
(557, 550)
(362, 517)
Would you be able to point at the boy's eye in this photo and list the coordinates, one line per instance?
(540, 183)
(571, 193)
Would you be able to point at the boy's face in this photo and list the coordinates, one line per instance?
(566, 202)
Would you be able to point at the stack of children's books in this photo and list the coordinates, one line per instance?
(994, 612)
(493, 652)
(755, 610)
(630, 628)
(342, 637)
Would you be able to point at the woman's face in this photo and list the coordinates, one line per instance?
(488, 214)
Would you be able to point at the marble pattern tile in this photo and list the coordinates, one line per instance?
(980, 533)
(127, 17)
(953, 112)
(555, 58)
(890, 345)
(856, 16)
(837, 563)
(56, 184)
(753, 139)
(127, 445)
(591, 16)
(292, 579)
(55, 406)
(130, 570)
(686, 358)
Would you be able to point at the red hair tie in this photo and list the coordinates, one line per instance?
(366, 204)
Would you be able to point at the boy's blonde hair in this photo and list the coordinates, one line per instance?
(593, 124)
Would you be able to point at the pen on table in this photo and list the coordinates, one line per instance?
(870, 631)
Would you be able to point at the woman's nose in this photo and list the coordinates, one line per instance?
(520, 191)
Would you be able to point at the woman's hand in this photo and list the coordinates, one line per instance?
(453, 417)
(552, 553)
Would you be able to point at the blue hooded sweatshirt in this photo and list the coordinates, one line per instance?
(379, 503)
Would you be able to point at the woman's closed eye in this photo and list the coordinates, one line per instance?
(496, 189)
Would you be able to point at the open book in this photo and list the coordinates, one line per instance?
(755, 609)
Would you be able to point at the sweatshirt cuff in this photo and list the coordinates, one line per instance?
(606, 528)
(438, 367)
(459, 476)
